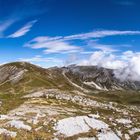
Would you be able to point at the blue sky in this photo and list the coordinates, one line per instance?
(62, 32)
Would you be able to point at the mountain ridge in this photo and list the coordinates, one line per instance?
(86, 78)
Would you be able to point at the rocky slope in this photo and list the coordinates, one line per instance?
(98, 78)
(68, 103)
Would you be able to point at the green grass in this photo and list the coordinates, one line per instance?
(123, 97)
(10, 101)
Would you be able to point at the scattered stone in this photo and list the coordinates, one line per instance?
(124, 121)
(8, 133)
(19, 125)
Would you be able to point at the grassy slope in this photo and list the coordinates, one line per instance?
(123, 97)
(36, 77)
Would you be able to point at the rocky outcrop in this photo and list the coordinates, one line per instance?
(93, 77)
(11, 74)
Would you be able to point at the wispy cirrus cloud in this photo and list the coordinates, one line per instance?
(61, 44)
(52, 45)
(4, 25)
(18, 12)
(101, 34)
(102, 47)
(24, 30)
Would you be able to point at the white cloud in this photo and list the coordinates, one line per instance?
(126, 65)
(131, 69)
(89, 35)
(52, 45)
(103, 47)
(103, 59)
(21, 32)
(61, 47)
(61, 44)
(101, 34)
(4, 25)
(86, 52)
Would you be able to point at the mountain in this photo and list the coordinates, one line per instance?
(22, 77)
(100, 78)
(70, 103)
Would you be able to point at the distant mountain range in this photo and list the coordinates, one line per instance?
(23, 77)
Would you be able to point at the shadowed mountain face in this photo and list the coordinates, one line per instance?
(93, 77)
(23, 77)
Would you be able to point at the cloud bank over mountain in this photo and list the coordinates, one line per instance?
(126, 65)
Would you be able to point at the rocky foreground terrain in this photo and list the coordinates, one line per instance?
(69, 103)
